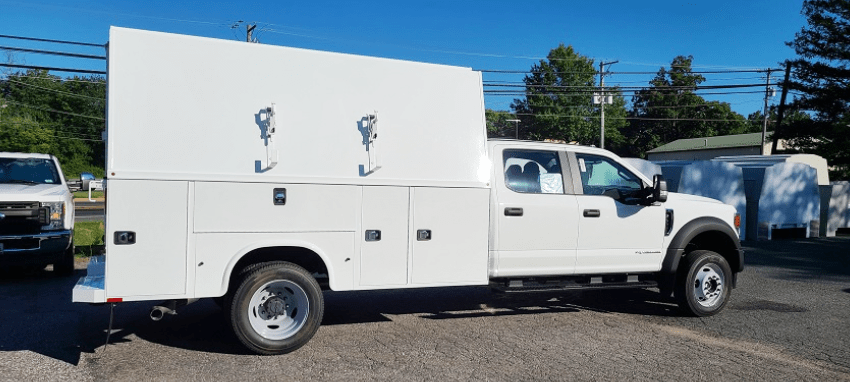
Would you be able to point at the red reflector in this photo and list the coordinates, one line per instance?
(114, 299)
(737, 221)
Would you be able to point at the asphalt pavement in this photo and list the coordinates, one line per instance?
(788, 320)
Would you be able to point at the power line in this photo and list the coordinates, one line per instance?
(53, 111)
(53, 69)
(621, 73)
(57, 91)
(50, 40)
(517, 93)
(54, 78)
(48, 125)
(54, 53)
(636, 118)
(520, 82)
(630, 88)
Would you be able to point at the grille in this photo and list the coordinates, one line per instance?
(19, 225)
(18, 206)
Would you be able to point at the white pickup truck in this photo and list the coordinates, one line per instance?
(317, 171)
(36, 213)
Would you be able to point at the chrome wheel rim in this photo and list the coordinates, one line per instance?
(708, 285)
(278, 309)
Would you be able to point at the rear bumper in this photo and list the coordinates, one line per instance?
(42, 248)
(91, 288)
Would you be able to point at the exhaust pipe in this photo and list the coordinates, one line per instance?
(158, 312)
(168, 307)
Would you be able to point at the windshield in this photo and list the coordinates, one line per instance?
(28, 171)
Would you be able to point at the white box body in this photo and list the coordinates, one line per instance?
(190, 174)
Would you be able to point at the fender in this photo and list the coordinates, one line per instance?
(276, 243)
(676, 249)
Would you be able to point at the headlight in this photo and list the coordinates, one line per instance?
(53, 215)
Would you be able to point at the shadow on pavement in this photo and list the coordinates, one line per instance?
(802, 259)
(201, 326)
(38, 315)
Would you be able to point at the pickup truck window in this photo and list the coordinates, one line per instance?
(533, 171)
(28, 171)
(600, 174)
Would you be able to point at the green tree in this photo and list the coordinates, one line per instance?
(498, 125)
(20, 134)
(669, 109)
(558, 101)
(70, 110)
(822, 75)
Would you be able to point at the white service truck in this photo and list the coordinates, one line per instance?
(36, 213)
(262, 175)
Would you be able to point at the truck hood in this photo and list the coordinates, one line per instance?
(15, 191)
(690, 198)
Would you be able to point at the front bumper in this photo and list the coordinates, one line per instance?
(44, 247)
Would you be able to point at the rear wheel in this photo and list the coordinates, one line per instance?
(277, 308)
(704, 283)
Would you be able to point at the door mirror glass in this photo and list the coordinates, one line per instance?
(659, 189)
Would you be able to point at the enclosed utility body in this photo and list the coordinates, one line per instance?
(260, 185)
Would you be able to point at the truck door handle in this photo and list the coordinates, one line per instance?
(513, 211)
(591, 213)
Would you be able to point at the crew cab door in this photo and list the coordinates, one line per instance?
(534, 213)
(616, 234)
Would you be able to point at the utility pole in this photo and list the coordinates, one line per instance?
(766, 96)
(781, 112)
(250, 29)
(602, 100)
(516, 124)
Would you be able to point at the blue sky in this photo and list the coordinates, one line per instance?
(494, 35)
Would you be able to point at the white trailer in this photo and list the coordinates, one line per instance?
(260, 175)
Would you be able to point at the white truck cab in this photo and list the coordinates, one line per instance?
(36, 213)
(322, 171)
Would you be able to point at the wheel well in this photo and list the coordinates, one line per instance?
(716, 241)
(302, 257)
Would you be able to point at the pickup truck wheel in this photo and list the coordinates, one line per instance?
(65, 265)
(277, 308)
(703, 285)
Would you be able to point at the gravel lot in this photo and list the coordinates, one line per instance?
(788, 320)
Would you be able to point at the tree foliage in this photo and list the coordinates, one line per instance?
(65, 116)
(498, 125)
(558, 101)
(822, 76)
(669, 109)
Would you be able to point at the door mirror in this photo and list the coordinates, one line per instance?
(659, 189)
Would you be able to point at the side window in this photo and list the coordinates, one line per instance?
(600, 175)
(533, 171)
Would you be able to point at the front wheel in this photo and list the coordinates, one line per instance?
(704, 283)
(65, 265)
(277, 308)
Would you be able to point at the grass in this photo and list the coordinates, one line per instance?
(88, 237)
(85, 194)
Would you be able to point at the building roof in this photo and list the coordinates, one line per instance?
(707, 143)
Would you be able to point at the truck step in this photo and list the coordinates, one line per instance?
(524, 286)
(96, 266)
(89, 289)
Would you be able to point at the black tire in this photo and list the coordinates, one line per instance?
(65, 265)
(276, 308)
(703, 284)
(226, 301)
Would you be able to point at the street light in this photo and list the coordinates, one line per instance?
(516, 123)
